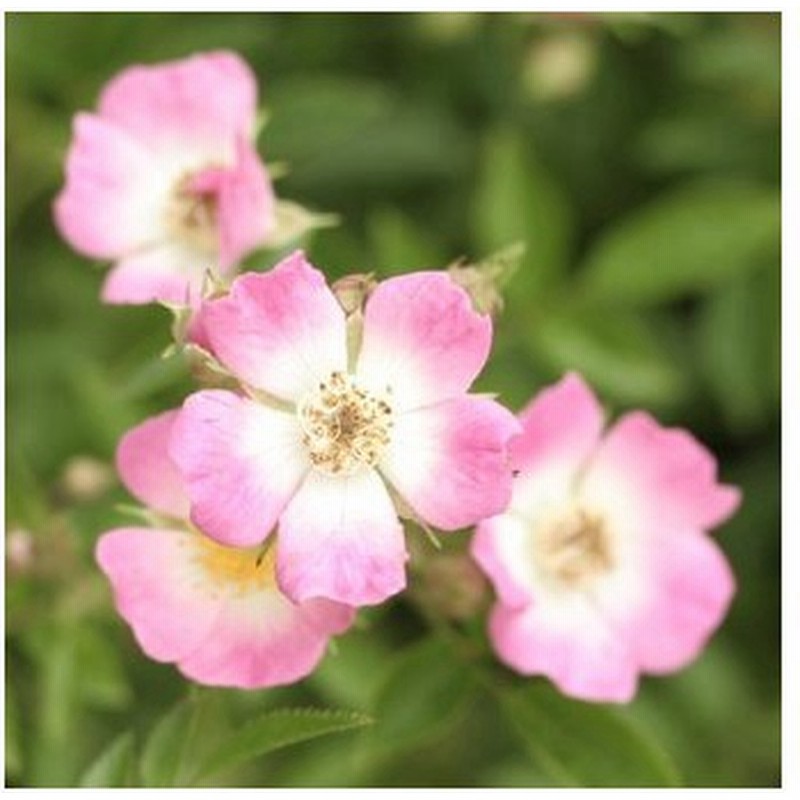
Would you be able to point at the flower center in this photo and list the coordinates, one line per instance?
(344, 426)
(573, 547)
(192, 216)
(248, 569)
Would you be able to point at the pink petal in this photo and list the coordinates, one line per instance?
(450, 461)
(340, 538)
(561, 424)
(218, 630)
(690, 589)
(147, 470)
(568, 643)
(488, 551)
(262, 639)
(190, 110)
(422, 339)
(113, 199)
(668, 476)
(158, 589)
(245, 204)
(169, 272)
(241, 462)
(281, 331)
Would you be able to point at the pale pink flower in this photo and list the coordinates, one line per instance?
(325, 439)
(602, 563)
(164, 179)
(213, 611)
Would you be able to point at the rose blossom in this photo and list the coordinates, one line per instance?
(602, 563)
(330, 439)
(164, 179)
(214, 611)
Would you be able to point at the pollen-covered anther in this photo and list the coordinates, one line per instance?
(574, 547)
(345, 427)
(192, 215)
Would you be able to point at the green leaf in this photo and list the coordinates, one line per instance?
(425, 690)
(163, 751)
(13, 748)
(377, 139)
(54, 749)
(739, 347)
(620, 353)
(181, 741)
(348, 676)
(399, 245)
(275, 730)
(516, 200)
(580, 744)
(102, 681)
(690, 240)
(114, 766)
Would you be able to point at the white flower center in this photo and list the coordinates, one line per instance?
(344, 426)
(192, 217)
(574, 547)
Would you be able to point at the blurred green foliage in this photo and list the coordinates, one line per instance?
(638, 157)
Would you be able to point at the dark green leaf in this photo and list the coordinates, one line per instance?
(275, 730)
(739, 347)
(114, 766)
(516, 200)
(13, 750)
(619, 353)
(348, 676)
(580, 744)
(425, 690)
(690, 240)
(399, 245)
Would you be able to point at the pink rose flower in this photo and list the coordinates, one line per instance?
(213, 611)
(602, 563)
(331, 440)
(164, 179)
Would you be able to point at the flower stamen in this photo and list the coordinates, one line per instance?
(573, 548)
(192, 216)
(345, 427)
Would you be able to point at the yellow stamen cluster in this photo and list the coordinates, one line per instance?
(574, 548)
(248, 569)
(192, 217)
(344, 426)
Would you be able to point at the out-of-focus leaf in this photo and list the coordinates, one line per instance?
(707, 140)
(54, 749)
(700, 715)
(13, 735)
(689, 240)
(739, 347)
(275, 730)
(399, 245)
(424, 691)
(743, 56)
(182, 740)
(103, 683)
(338, 131)
(114, 766)
(580, 744)
(619, 353)
(348, 676)
(517, 200)
(163, 751)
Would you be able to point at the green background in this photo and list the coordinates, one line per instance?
(637, 155)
